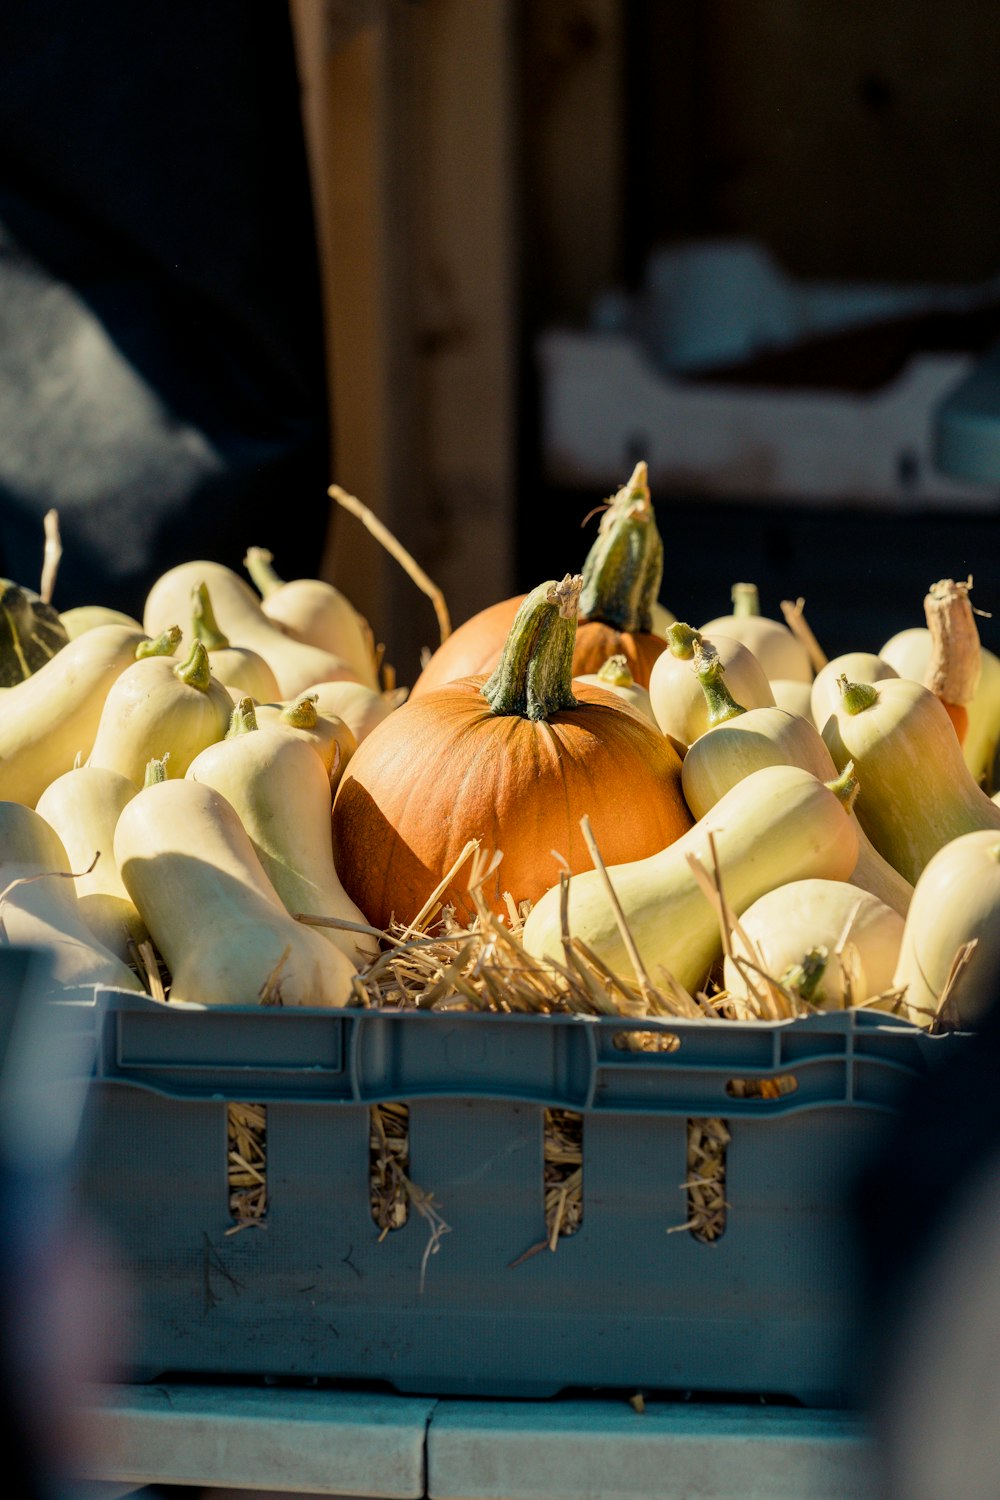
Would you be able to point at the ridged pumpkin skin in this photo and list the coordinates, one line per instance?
(445, 768)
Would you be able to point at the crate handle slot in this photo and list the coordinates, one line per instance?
(246, 1165)
(763, 1089)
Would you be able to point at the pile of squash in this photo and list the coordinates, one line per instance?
(226, 786)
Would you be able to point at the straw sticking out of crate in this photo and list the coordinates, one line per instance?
(246, 1138)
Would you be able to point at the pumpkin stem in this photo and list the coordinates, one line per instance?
(534, 677)
(682, 639)
(258, 564)
(710, 672)
(196, 671)
(746, 600)
(204, 624)
(624, 567)
(615, 671)
(303, 713)
(856, 696)
(243, 719)
(165, 644)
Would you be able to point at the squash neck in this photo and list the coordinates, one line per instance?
(534, 677)
(624, 567)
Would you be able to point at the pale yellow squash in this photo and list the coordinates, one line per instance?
(312, 610)
(955, 901)
(856, 666)
(778, 824)
(916, 793)
(191, 869)
(676, 695)
(51, 717)
(40, 908)
(83, 806)
(831, 944)
(281, 791)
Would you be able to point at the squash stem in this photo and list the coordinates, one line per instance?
(196, 671)
(846, 787)
(746, 600)
(258, 564)
(682, 640)
(156, 771)
(204, 625)
(710, 672)
(855, 697)
(615, 672)
(165, 644)
(624, 567)
(303, 713)
(243, 719)
(805, 977)
(534, 677)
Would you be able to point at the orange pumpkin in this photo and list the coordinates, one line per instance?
(515, 761)
(621, 579)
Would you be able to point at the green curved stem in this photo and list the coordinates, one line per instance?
(534, 676)
(204, 624)
(258, 564)
(165, 644)
(196, 671)
(710, 672)
(243, 719)
(624, 567)
(746, 600)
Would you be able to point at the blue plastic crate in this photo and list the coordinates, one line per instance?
(771, 1307)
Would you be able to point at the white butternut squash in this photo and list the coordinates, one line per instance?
(52, 717)
(240, 616)
(189, 866)
(916, 791)
(161, 707)
(856, 666)
(281, 791)
(909, 651)
(745, 742)
(312, 610)
(778, 824)
(83, 807)
(955, 901)
(780, 653)
(39, 908)
(244, 672)
(329, 736)
(831, 944)
(675, 694)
